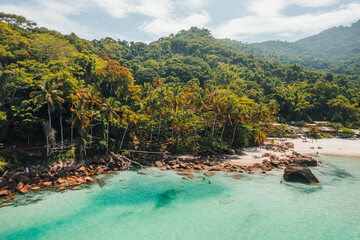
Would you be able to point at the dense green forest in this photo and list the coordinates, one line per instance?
(185, 93)
(335, 50)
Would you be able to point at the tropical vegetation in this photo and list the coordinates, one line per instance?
(185, 93)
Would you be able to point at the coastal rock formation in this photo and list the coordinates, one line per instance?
(299, 173)
(61, 175)
(289, 144)
(158, 164)
(231, 151)
(306, 161)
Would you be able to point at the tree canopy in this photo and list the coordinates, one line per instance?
(187, 92)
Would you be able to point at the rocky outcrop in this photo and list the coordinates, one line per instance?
(231, 151)
(61, 175)
(289, 144)
(308, 161)
(299, 173)
(279, 146)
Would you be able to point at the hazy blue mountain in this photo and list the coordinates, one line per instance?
(335, 50)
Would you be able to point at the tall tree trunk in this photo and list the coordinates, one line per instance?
(213, 127)
(47, 138)
(152, 128)
(62, 131)
(91, 130)
(47, 146)
(122, 140)
(49, 113)
(178, 140)
(159, 129)
(222, 132)
(233, 137)
(72, 126)
(85, 149)
(72, 132)
(107, 137)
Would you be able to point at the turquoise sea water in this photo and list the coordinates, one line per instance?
(162, 205)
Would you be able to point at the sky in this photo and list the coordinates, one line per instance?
(148, 20)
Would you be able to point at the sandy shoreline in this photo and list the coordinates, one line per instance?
(328, 147)
(322, 147)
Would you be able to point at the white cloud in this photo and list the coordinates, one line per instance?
(52, 14)
(313, 3)
(121, 8)
(167, 16)
(164, 26)
(281, 25)
(266, 8)
(195, 4)
(162, 17)
(117, 8)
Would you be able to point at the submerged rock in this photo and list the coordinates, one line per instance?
(209, 173)
(299, 173)
(238, 176)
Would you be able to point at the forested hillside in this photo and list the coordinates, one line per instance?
(335, 50)
(187, 92)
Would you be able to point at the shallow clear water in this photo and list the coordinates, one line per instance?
(162, 205)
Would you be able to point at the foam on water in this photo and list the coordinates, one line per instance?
(162, 205)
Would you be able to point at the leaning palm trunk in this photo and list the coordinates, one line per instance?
(50, 137)
(122, 140)
(233, 137)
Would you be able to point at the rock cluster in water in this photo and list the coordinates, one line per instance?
(58, 176)
(62, 175)
(299, 173)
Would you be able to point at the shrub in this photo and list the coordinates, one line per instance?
(65, 156)
(3, 165)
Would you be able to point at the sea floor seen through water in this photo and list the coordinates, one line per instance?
(163, 205)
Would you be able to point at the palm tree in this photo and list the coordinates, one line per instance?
(81, 118)
(161, 96)
(151, 107)
(217, 103)
(110, 107)
(48, 94)
(128, 117)
(93, 99)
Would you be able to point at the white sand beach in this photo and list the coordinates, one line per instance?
(329, 147)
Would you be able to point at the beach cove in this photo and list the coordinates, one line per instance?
(166, 205)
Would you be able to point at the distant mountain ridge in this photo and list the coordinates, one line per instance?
(335, 50)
